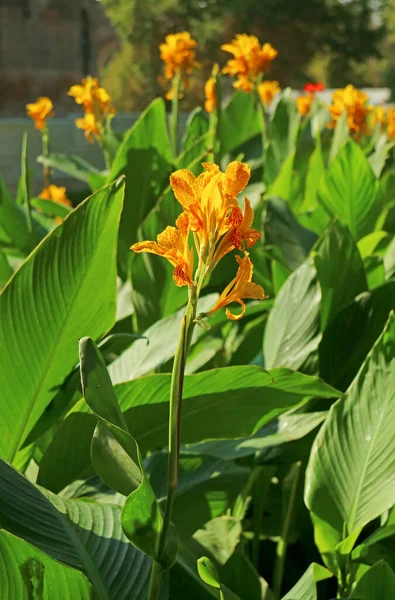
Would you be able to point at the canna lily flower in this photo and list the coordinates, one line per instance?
(90, 126)
(97, 106)
(268, 90)
(210, 201)
(250, 60)
(56, 194)
(304, 103)
(240, 287)
(391, 123)
(354, 103)
(218, 225)
(209, 91)
(178, 54)
(172, 244)
(40, 111)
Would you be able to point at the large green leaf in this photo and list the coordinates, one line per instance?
(64, 290)
(350, 190)
(348, 338)
(379, 545)
(305, 588)
(239, 121)
(72, 165)
(283, 231)
(27, 573)
(292, 331)
(339, 286)
(247, 397)
(145, 158)
(84, 535)
(377, 583)
(350, 479)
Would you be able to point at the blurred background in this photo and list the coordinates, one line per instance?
(47, 45)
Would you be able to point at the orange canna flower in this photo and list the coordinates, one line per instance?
(314, 87)
(90, 126)
(391, 123)
(210, 201)
(40, 111)
(304, 103)
(172, 244)
(209, 91)
(240, 287)
(178, 54)
(250, 60)
(96, 103)
(55, 193)
(268, 90)
(354, 103)
(211, 213)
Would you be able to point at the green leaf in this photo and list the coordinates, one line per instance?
(149, 353)
(349, 337)
(239, 575)
(14, 232)
(282, 230)
(378, 158)
(239, 121)
(316, 169)
(305, 588)
(117, 460)
(248, 398)
(350, 477)
(83, 535)
(219, 537)
(59, 294)
(378, 583)
(350, 189)
(379, 545)
(51, 208)
(145, 158)
(292, 331)
(5, 270)
(339, 286)
(283, 430)
(283, 130)
(72, 165)
(26, 572)
(340, 136)
(210, 576)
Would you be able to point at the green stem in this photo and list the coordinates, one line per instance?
(242, 499)
(261, 491)
(25, 183)
(155, 581)
(264, 132)
(283, 542)
(173, 119)
(177, 382)
(46, 172)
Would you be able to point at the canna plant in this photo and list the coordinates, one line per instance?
(157, 442)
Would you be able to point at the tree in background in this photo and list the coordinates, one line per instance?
(326, 38)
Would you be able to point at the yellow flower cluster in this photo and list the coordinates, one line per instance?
(250, 60)
(268, 90)
(40, 111)
(386, 119)
(355, 105)
(178, 54)
(211, 214)
(97, 106)
(56, 194)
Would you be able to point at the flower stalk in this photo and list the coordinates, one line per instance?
(177, 383)
(174, 115)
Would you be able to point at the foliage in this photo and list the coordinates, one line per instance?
(285, 473)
